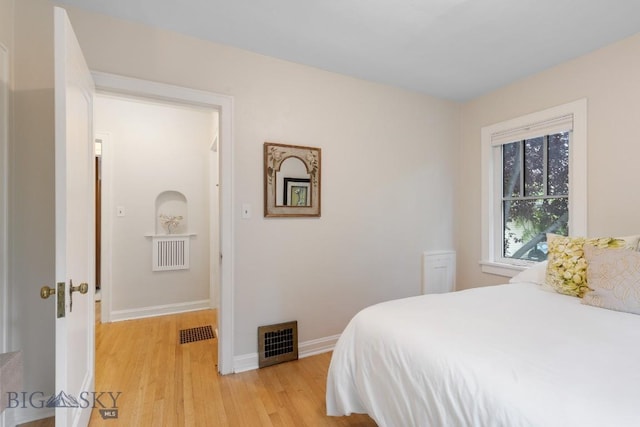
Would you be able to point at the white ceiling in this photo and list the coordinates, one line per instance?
(455, 49)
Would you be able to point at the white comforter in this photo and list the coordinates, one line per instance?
(509, 355)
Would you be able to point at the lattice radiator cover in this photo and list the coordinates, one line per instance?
(170, 253)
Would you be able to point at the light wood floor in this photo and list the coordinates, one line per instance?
(164, 383)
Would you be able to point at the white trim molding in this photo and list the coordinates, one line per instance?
(106, 174)
(577, 110)
(4, 197)
(5, 89)
(245, 362)
(18, 416)
(249, 361)
(159, 310)
(224, 104)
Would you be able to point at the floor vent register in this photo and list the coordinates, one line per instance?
(200, 333)
(277, 343)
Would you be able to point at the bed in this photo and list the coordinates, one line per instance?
(507, 355)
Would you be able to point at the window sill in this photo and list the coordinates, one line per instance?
(501, 269)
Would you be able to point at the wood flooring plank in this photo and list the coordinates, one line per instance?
(164, 383)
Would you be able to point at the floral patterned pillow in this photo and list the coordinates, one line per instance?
(614, 276)
(567, 266)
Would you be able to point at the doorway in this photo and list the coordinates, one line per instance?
(219, 150)
(160, 206)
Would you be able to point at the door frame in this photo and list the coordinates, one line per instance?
(224, 105)
(105, 225)
(214, 219)
(5, 121)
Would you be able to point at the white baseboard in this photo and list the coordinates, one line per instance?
(159, 310)
(249, 361)
(317, 346)
(245, 362)
(17, 416)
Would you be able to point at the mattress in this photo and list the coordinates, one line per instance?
(507, 355)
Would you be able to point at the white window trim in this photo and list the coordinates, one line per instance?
(577, 181)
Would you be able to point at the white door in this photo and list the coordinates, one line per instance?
(74, 227)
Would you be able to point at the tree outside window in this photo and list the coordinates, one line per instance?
(535, 195)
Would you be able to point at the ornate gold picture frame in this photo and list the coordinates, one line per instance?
(291, 180)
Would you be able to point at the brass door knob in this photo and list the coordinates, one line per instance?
(46, 292)
(83, 288)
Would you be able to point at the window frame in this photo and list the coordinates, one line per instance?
(492, 261)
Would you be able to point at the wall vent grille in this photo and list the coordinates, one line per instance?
(170, 253)
(277, 343)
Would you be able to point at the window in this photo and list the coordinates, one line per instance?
(535, 194)
(534, 182)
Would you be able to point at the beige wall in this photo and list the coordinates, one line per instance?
(388, 159)
(6, 23)
(608, 78)
(387, 178)
(32, 195)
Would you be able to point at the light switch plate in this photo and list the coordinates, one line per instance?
(246, 211)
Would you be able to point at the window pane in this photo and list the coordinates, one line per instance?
(526, 223)
(534, 167)
(558, 164)
(511, 166)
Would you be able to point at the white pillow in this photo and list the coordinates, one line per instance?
(534, 274)
(614, 279)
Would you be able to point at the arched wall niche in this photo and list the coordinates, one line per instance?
(171, 213)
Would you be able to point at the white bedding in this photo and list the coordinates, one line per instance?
(509, 355)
